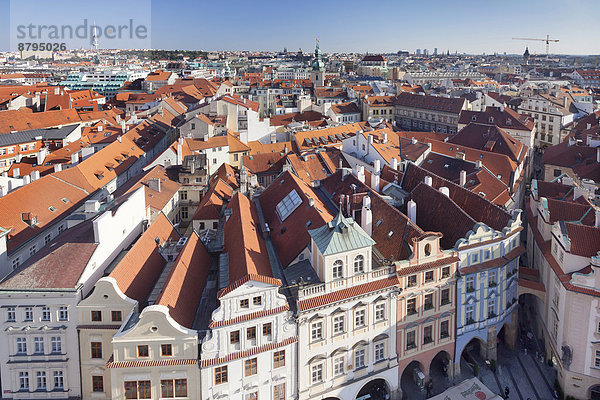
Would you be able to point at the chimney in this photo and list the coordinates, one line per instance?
(463, 177)
(57, 90)
(179, 153)
(445, 191)
(588, 126)
(35, 175)
(394, 163)
(16, 173)
(91, 206)
(311, 202)
(100, 128)
(366, 216)
(123, 127)
(571, 141)
(375, 182)
(74, 159)
(565, 101)
(119, 139)
(370, 139)
(361, 173)
(154, 184)
(460, 155)
(57, 167)
(428, 180)
(411, 209)
(41, 156)
(3, 191)
(478, 164)
(26, 180)
(598, 154)
(597, 222)
(384, 137)
(413, 141)
(376, 166)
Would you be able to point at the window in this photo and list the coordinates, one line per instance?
(486, 255)
(410, 340)
(445, 272)
(338, 265)
(251, 333)
(267, 329)
(317, 373)
(316, 331)
(251, 396)
(137, 390)
(338, 325)
(21, 345)
(288, 204)
(38, 345)
(170, 388)
(234, 337)
(33, 248)
(359, 318)
(116, 316)
(10, 314)
(429, 276)
(359, 262)
(474, 258)
(220, 375)
(250, 367)
(411, 306)
(428, 303)
(412, 280)
(28, 314)
(56, 344)
(491, 308)
(97, 383)
(379, 312)
(59, 382)
(469, 312)
(279, 359)
(338, 366)
(63, 314)
(166, 350)
(184, 213)
(183, 195)
(597, 359)
(96, 316)
(41, 380)
(359, 358)
(379, 351)
(23, 380)
(46, 314)
(444, 329)
(244, 303)
(470, 284)
(96, 348)
(257, 301)
(279, 392)
(445, 296)
(16, 262)
(142, 350)
(428, 334)
(492, 279)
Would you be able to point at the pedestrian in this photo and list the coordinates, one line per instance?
(506, 392)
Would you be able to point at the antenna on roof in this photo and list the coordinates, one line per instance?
(341, 202)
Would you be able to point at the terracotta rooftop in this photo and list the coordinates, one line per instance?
(137, 272)
(182, 291)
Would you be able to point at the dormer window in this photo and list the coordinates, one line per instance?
(359, 264)
(338, 266)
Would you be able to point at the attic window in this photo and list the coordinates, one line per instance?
(65, 200)
(473, 118)
(52, 208)
(390, 234)
(379, 222)
(288, 204)
(99, 175)
(491, 120)
(308, 223)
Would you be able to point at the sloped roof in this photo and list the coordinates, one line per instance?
(585, 240)
(183, 288)
(137, 273)
(490, 138)
(339, 235)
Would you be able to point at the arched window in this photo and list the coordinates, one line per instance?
(359, 264)
(338, 265)
(427, 249)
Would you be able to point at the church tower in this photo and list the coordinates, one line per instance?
(317, 74)
(526, 55)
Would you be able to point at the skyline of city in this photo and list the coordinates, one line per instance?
(415, 26)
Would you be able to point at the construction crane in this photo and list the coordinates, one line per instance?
(547, 40)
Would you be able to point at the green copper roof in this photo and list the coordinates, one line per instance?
(340, 235)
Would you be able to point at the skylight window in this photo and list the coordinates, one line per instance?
(52, 208)
(288, 204)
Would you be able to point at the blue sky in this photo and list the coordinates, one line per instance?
(473, 26)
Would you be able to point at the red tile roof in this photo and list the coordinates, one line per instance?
(248, 317)
(182, 291)
(585, 240)
(137, 272)
(344, 294)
